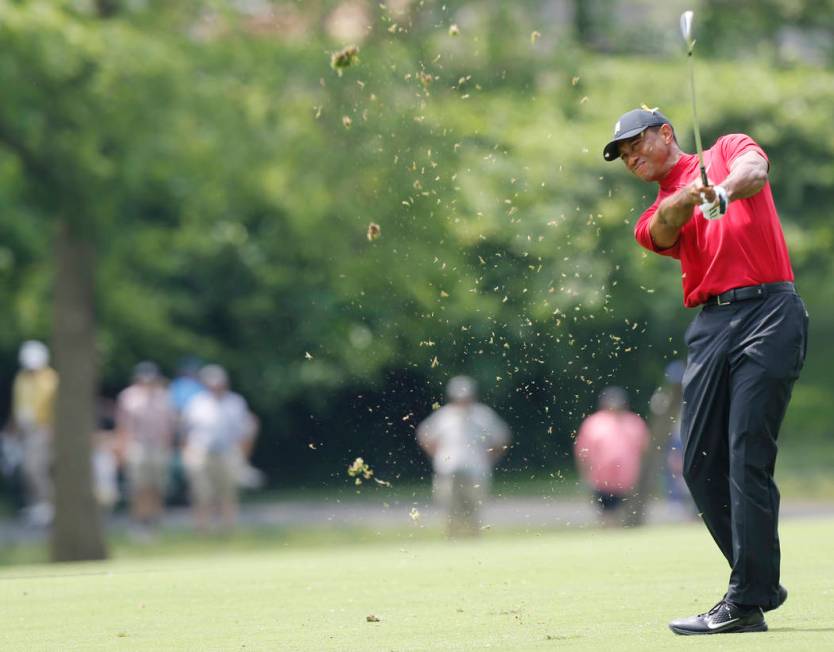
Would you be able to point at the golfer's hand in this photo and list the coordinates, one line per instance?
(694, 192)
(713, 200)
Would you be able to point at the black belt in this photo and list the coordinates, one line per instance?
(750, 292)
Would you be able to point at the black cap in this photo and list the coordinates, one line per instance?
(632, 124)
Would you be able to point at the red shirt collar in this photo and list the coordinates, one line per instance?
(679, 173)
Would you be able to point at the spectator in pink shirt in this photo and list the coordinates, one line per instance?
(145, 422)
(608, 452)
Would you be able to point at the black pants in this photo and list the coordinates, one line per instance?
(743, 360)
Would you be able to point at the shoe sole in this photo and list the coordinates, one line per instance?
(758, 627)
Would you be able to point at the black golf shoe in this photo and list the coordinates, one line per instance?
(723, 618)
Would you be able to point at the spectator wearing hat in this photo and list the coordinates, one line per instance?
(33, 404)
(184, 386)
(608, 450)
(217, 424)
(145, 428)
(464, 438)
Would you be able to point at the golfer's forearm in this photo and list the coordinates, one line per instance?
(747, 177)
(675, 210)
(667, 222)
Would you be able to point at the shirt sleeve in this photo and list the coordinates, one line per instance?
(242, 417)
(734, 145)
(580, 444)
(190, 415)
(498, 429)
(644, 236)
(581, 449)
(17, 395)
(426, 431)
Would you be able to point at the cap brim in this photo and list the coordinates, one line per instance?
(612, 149)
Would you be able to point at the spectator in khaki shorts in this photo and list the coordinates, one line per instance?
(464, 438)
(217, 424)
(145, 429)
(33, 402)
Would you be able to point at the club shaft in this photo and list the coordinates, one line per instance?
(698, 147)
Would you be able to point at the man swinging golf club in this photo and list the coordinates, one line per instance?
(746, 346)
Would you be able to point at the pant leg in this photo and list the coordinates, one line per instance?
(765, 365)
(467, 494)
(704, 424)
(37, 462)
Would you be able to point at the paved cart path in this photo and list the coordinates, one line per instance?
(526, 512)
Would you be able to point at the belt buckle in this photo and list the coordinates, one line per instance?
(721, 303)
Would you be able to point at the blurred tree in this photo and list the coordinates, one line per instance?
(63, 65)
(44, 72)
(223, 177)
(784, 31)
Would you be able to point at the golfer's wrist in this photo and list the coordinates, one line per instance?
(688, 200)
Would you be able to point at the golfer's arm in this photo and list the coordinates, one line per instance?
(669, 218)
(748, 175)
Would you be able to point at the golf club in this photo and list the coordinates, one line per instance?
(686, 31)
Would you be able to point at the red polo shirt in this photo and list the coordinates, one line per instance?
(745, 247)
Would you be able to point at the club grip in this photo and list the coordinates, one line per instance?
(704, 178)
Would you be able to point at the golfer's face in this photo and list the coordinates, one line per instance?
(645, 155)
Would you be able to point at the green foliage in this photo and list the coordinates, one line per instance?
(781, 31)
(229, 175)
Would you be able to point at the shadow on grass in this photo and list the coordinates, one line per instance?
(778, 630)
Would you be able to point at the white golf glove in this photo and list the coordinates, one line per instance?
(715, 210)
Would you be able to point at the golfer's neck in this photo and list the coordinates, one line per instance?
(674, 156)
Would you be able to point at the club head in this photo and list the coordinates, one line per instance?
(686, 28)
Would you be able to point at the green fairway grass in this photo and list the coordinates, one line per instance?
(573, 589)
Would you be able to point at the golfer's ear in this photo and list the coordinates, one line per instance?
(668, 133)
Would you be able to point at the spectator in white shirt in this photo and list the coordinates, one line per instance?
(217, 424)
(464, 439)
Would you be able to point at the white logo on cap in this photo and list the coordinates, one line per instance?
(617, 128)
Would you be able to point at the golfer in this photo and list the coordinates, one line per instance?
(746, 346)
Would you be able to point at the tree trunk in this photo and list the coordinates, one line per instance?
(77, 531)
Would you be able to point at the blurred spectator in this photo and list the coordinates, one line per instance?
(464, 439)
(106, 457)
(248, 477)
(11, 466)
(676, 490)
(145, 430)
(666, 408)
(664, 426)
(187, 383)
(33, 406)
(185, 386)
(608, 451)
(217, 424)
